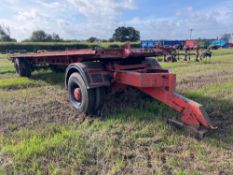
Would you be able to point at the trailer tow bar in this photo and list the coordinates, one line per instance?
(160, 85)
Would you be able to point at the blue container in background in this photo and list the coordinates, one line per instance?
(149, 43)
(164, 43)
(171, 43)
(218, 43)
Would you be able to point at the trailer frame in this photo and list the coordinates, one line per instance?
(91, 74)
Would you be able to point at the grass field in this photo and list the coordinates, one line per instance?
(40, 133)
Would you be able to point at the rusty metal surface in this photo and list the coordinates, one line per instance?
(161, 86)
(88, 54)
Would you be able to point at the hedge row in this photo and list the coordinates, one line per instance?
(34, 46)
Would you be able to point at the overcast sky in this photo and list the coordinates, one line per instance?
(155, 19)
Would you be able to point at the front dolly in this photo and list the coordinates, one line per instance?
(160, 84)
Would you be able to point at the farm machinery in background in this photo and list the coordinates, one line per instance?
(180, 50)
(92, 74)
(187, 54)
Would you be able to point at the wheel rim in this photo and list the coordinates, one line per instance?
(77, 94)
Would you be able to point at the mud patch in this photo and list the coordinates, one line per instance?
(35, 111)
(51, 106)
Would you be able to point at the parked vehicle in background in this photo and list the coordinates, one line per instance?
(172, 43)
(204, 43)
(231, 42)
(190, 44)
(149, 43)
(163, 43)
(187, 44)
(216, 44)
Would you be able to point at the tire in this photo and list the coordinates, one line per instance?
(152, 62)
(23, 68)
(87, 102)
(100, 97)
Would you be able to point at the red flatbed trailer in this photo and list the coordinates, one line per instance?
(91, 74)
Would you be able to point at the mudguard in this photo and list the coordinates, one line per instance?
(92, 73)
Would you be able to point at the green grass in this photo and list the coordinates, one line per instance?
(216, 89)
(43, 135)
(9, 80)
(29, 146)
(6, 67)
(17, 82)
(222, 52)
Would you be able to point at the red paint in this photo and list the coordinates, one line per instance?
(73, 56)
(161, 86)
(191, 44)
(78, 94)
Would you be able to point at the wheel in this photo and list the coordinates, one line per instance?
(23, 68)
(81, 98)
(152, 62)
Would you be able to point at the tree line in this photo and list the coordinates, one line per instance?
(5, 34)
(121, 34)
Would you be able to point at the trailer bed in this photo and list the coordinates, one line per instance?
(71, 56)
